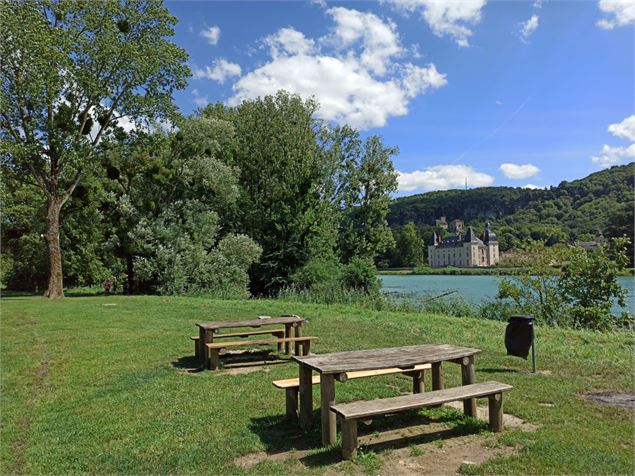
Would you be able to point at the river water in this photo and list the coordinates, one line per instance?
(472, 288)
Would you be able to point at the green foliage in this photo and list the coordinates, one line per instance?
(536, 290)
(368, 180)
(179, 253)
(313, 197)
(360, 274)
(71, 69)
(589, 284)
(571, 287)
(409, 247)
(318, 275)
(279, 172)
(166, 201)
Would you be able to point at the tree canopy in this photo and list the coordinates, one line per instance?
(72, 71)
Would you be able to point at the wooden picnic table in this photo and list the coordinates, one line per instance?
(335, 366)
(208, 329)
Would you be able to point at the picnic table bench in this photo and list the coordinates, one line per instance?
(213, 349)
(292, 385)
(209, 332)
(331, 366)
(350, 413)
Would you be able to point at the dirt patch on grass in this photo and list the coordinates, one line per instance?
(430, 448)
(509, 421)
(446, 458)
(625, 400)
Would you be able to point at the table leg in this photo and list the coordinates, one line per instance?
(468, 377)
(306, 397)
(298, 333)
(205, 336)
(417, 381)
(287, 334)
(437, 376)
(200, 343)
(496, 412)
(327, 397)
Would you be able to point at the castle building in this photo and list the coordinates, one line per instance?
(464, 251)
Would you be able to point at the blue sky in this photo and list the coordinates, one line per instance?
(501, 93)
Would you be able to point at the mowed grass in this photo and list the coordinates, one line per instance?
(100, 385)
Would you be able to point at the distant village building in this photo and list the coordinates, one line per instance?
(464, 251)
(592, 245)
(441, 223)
(455, 226)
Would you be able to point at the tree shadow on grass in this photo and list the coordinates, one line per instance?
(502, 370)
(189, 363)
(233, 361)
(280, 435)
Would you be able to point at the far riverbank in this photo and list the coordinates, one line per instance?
(452, 271)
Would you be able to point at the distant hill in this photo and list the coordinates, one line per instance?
(575, 210)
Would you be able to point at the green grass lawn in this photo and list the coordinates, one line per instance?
(100, 385)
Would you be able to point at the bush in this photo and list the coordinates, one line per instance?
(361, 274)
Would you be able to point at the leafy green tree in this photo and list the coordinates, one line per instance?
(409, 246)
(366, 184)
(589, 284)
(569, 286)
(279, 207)
(71, 69)
(536, 290)
(167, 190)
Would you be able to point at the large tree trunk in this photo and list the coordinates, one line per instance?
(56, 284)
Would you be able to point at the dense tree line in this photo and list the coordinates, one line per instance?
(256, 198)
(572, 211)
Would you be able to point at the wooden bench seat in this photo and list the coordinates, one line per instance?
(215, 347)
(349, 413)
(279, 333)
(292, 385)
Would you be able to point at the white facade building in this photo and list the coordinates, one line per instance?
(464, 251)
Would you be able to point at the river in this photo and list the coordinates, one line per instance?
(472, 288)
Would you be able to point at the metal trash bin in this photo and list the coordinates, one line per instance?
(519, 337)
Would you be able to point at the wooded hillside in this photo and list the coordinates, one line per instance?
(572, 211)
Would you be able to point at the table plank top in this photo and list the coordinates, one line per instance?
(372, 359)
(269, 321)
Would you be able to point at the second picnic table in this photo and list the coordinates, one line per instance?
(208, 329)
(336, 365)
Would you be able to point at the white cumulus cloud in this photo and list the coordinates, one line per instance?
(624, 129)
(379, 39)
(518, 172)
(531, 186)
(211, 34)
(353, 71)
(288, 41)
(442, 177)
(446, 18)
(617, 13)
(347, 93)
(417, 80)
(219, 71)
(528, 27)
(613, 155)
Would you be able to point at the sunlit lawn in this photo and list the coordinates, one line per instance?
(101, 385)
